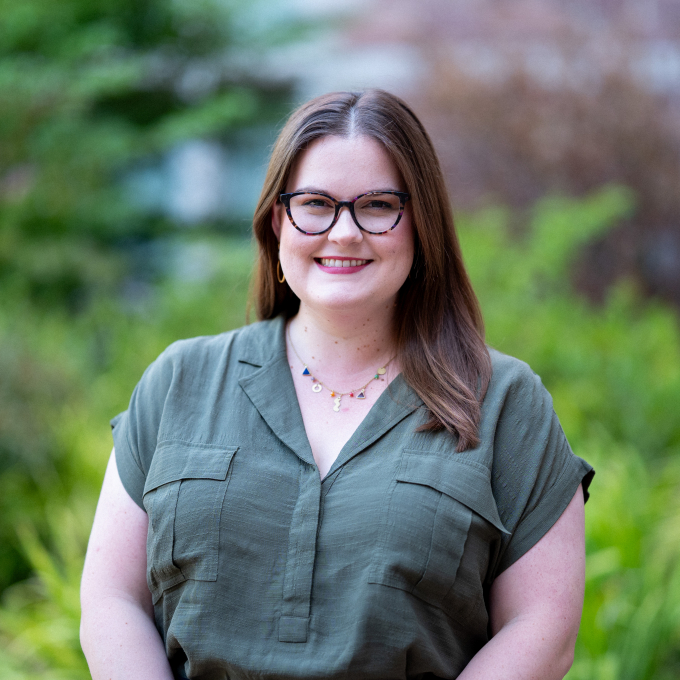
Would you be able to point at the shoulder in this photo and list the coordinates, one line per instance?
(515, 387)
(509, 371)
(253, 343)
(519, 426)
(534, 473)
(191, 366)
(177, 395)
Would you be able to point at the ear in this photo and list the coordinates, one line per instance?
(277, 217)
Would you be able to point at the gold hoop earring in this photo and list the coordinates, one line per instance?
(280, 277)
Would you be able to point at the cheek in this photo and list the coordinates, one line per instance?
(407, 245)
(295, 253)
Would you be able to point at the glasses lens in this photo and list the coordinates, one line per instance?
(311, 212)
(377, 212)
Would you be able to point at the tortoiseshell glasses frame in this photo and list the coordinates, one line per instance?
(402, 195)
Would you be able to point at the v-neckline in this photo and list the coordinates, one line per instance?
(265, 386)
(396, 402)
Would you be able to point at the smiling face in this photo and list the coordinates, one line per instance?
(345, 269)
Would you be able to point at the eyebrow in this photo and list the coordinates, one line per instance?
(323, 191)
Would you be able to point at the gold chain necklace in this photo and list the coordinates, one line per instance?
(317, 385)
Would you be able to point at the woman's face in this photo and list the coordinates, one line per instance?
(345, 167)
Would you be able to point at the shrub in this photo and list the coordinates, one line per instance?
(613, 370)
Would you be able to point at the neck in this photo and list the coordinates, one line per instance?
(343, 347)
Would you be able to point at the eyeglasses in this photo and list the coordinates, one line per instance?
(376, 212)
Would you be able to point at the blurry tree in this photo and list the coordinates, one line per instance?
(515, 140)
(89, 89)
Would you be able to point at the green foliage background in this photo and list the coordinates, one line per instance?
(88, 90)
(92, 89)
(614, 372)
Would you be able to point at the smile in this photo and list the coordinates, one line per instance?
(330, 262)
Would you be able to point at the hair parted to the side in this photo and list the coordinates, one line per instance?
(440, 342)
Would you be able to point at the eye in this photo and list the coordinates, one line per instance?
(378, 203)
(317, 202)
(312, 203)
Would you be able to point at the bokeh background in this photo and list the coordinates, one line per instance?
(133, 142)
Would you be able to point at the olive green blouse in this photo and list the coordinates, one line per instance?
(260, 569)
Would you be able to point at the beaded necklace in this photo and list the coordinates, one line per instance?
(318, 386)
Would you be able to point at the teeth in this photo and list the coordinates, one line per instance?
(331, 262)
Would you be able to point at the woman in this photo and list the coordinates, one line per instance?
(356, 486)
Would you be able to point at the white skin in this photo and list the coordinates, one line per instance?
(344, 331)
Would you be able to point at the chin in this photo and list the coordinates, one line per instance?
(351, 304)
(342, 303)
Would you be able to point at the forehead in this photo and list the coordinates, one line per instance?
(346, 164)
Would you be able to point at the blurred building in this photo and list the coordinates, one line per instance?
(522, 98)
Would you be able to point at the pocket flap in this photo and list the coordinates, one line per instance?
(175, 460)
(465, 482)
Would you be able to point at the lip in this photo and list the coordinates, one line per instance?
(345, 269)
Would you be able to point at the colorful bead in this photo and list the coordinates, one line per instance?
(351, 394)
(332, 394)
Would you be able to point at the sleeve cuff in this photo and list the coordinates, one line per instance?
(548, 511)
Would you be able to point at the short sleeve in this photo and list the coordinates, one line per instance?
(535, 473)
(135, 431)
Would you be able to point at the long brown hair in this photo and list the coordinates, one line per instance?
(440, 341)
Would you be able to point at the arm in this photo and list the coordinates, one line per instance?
(117, 630)
(536, 607)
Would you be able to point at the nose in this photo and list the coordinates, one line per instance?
(345, 231)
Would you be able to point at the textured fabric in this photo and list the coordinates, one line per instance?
(258, 568)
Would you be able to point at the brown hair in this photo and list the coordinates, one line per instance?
(440, 343)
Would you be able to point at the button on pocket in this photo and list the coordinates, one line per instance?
(427, 516)
(183, 497)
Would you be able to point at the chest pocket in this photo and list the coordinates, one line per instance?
(435, 507)
(183, 497)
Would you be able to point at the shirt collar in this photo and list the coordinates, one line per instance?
(271, 390)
